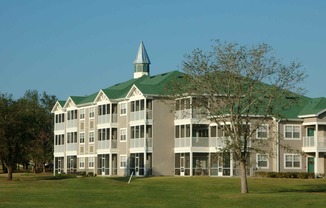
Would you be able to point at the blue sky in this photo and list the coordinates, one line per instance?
(77, 47)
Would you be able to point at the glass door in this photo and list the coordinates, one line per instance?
(137, 165)
(182, 165)
(103, 166)
(59, 166)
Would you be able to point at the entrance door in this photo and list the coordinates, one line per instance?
(182, 165)
(224, 164)
(59, 166)
(137, 165)
(311, 164)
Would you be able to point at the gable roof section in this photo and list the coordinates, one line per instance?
(155, 85)
(313, 108)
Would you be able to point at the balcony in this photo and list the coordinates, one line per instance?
(72, 147)
(59, 126)
(59, 148)
(140, 143)
(314, 144)
(72, 123)
(217, 142)
(183, 114)
(107, 118)
(137, 115)
(191, 142)
(105, 144)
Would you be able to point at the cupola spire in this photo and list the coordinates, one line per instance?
(141, 62)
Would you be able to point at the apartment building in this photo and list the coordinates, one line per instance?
(130, 128)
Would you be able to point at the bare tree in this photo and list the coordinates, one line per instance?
(240, 88)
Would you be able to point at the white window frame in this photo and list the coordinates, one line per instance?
(81, 163)
(292, 132)
(292, 161)
(258, 131)
(91, 112)
(123, 135)
(123, 108)
(82, 138)
(123, 161)
(258, 159)
(91, 162)
(82, 114)
(91, 137)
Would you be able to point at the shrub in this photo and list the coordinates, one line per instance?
(302, 175)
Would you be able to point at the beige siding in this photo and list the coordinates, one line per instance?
(163, 139)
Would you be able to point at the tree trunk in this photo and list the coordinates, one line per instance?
(243, 174)
(4, 168)
(10, 171)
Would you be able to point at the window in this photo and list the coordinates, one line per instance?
(81, 163)
(137, 105)
(82, 114)
(104, 109)
(72, 114)
(103, 134)
(292, 132)
(123, 161)
(262, 132)
(137, 132)
(91, 112)
(72, 137)
(60, 118)
(81, 138)
(292, 161)
(262, 161)
(123, 108)
(123, 135)
(91, 162)
(59, 139)
(182, 131)
(91, 137)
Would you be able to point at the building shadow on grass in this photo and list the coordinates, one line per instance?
(313, 188)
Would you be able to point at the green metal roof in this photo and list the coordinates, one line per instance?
(154, 85)
(314, 106)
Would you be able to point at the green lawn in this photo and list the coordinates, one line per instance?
(28, 190)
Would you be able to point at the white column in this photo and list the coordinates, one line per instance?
(316, 135)
(316, 163)
(145, 166)
(231, 164)
(110, 164)
(190, 155)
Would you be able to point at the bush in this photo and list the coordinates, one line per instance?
(302, 175)
(91, 174)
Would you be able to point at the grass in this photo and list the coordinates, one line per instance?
(29, 190)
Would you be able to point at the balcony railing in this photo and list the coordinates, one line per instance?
(183, 114)
(72, 147)
(59, 126)
(105, 144)
(215, 142)
(200, 141)
(107, 118)
(72, 123)
(59, 148)
(137, 115)
(311, 141)
(140, 143)
(195, 142)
